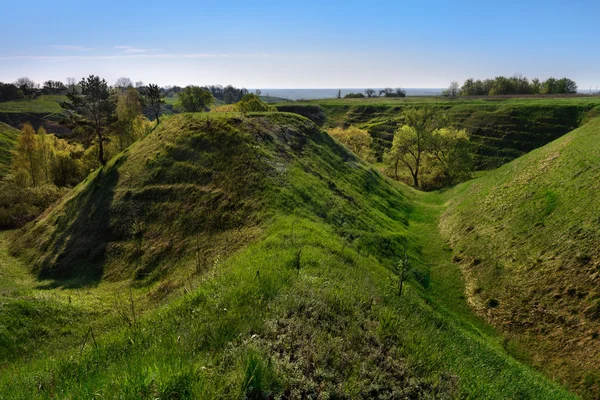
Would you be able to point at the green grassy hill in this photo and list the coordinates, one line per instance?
(527, 236)
(8, 138)
(35, 111)
(502, 129)
(246, 256)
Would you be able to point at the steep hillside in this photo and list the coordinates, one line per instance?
(501, 129)
(8, 138)
(528, 239)
(275, 247)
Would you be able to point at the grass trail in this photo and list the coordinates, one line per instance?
(446, 283)
(14, 277)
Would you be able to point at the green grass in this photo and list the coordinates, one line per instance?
(266, 250)
(36, 111)
(526, 236)
(8, 138)
(46, 104)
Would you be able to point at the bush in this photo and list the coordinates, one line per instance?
(19, 205)
(253, 103)
(354, 96)
(356, 140)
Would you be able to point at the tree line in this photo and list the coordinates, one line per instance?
(369, 93)
(515, 85)
(25, 87)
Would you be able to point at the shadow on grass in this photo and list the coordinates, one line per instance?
(77, 251)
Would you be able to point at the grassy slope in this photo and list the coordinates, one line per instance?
(527, 238)
(305, 306)
(502, 129)
(8, 138)
(35, 111)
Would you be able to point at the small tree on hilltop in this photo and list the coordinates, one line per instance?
(129, 114)
(194, 99)
(154, 99)
(92, 109)
(369, 93)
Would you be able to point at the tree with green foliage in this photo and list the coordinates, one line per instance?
(194, 99)
(449, 148)
(8, 92)
(24, 165)
(536, 86)
(515, 85)
(411, 141)
(354, 96)
(566, 86)
(369, 93)
(129, 114)
(154, 99)
(92, 109)
(45, 154)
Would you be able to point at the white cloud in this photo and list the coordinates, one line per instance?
(205, 55)
(105, 57)
(70, 47)
(131, 49)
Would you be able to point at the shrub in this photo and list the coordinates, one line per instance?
(357, 140)
(253, 103)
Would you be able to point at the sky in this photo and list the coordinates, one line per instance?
(301, 44)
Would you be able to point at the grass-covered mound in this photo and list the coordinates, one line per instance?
(281, 243)
(193, 190)
(528, 238)
(8, 139)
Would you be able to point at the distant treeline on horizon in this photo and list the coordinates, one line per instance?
(515, 85)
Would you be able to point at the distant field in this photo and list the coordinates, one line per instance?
(273, 99)
(43, 104)
(35, 111)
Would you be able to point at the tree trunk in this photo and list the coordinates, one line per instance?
(32, 169)
(101, 150)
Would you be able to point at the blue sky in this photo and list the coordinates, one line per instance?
(307, 44)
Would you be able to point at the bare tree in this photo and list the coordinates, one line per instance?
(453, 89)
(369, 93)
(123, 83)
(25, 84)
